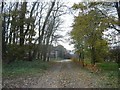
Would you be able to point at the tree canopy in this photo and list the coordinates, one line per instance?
(88, 30)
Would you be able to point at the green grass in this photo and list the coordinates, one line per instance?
(108, 66)
(105, 66)
(87, 61)
(110, 71)
(24, 68)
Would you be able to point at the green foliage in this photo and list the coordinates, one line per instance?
(23, 68)
(78, 6)
(15, 51)
(19, 31)
(88, 31)
(115, 54)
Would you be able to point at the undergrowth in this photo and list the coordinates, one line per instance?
(23, 68)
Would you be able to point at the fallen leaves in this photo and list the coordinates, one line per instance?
(65, 75)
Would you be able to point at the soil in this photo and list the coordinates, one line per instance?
(61, 75)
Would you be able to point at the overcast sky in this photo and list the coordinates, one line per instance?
(68, 20)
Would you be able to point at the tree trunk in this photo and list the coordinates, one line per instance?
(3, 33)
(22, 17)
(117, 6)
(93, 57)
(43, 30)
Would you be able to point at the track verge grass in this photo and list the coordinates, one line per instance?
(20, 68)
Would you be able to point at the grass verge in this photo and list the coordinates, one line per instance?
(110, 74)
(24, 68)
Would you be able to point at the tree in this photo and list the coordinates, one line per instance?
(22, 18)
(88, 30)
(43, 29)
(117, 6)
(27, 30)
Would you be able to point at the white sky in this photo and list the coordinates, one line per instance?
(62, 0)
(68, 20)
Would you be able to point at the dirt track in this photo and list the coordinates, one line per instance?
(61, 75)
(67, 75)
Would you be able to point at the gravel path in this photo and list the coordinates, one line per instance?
(61, 75)
(68, 75)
